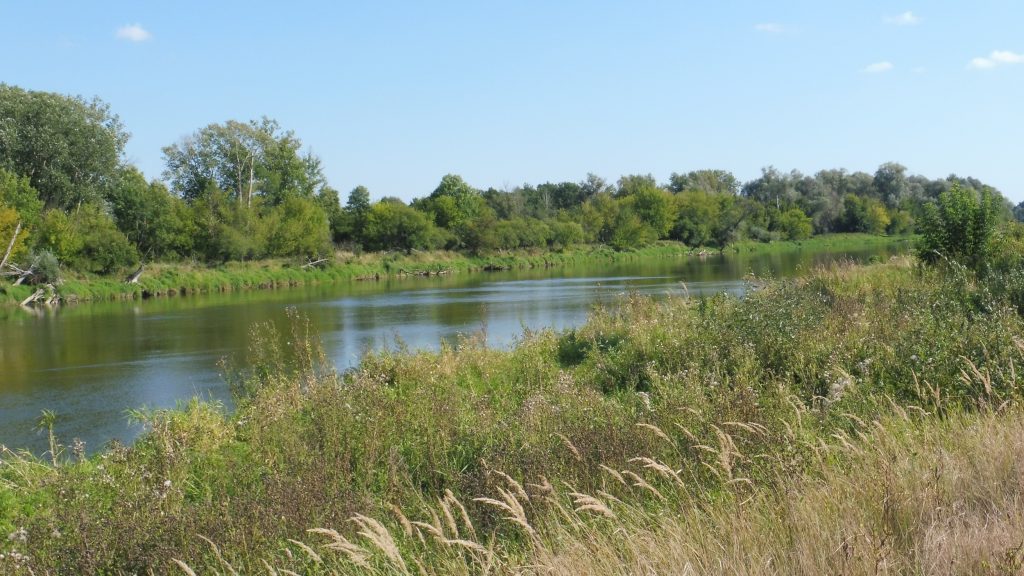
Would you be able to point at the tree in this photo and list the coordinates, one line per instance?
(654, 208)
(87, 239)
(296, 227)
(69, 148)
(960, 226)
(391, 225)
(454, 204)
(794, 224)
(157, 222)
(715, 181)
(633, 183)
(697, 215)
(245, 159)
(891, 183)
(357, 207)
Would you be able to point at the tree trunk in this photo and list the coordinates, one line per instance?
(10, 246)
(134, 278)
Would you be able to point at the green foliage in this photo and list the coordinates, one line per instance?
(699, 213)
(68, 147)
(960, 227)
(158, 223)
(711, 403)
(18, 194)
(245, 159)
(296, 227)
(794, 224)
(392, 225)
(865, 215)
(87, 240)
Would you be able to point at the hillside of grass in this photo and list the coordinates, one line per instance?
(856, 420)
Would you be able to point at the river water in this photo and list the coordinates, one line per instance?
(90, 363)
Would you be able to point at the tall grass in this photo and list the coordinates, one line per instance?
(829, 424)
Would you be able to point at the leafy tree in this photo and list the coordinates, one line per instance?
(296, 227)
(773, 188)
(698, 213)
(653, 206)
(17, 193)
(864, 214)
(629, 231)
(157, 222)
(391, 225)
(1018, 212)
(715, 181)
(565, 234)
(69, 148)
(244, 158)
(960, 226)
(891, 183)
(633, 183)
(454, 204)
(357, 208)
(88, 240)
(338, 220)
(794, 224)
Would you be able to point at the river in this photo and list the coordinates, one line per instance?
(90, 363)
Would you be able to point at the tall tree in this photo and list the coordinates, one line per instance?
(245, 159)
(69, 148)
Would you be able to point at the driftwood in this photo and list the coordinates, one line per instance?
(314, 263)
(10, 246)
(21, 274)
(46, 294)
(134, 278)
(35, 296)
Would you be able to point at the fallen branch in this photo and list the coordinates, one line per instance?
(35, 296)
(10, 246)
(314, 263)
(134, 278)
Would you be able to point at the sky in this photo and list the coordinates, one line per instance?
(394, 95)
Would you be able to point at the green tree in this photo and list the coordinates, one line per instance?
(391, 225)
(357, 208)
(714, 181)
(697, 216)
(157, 222)
(246, 159)
(87, 240)
(960, 226)
(794, 224)
(69, 148)
(297, 226)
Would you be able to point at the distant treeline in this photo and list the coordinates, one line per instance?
(246, 190)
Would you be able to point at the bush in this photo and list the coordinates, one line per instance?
(959, 227)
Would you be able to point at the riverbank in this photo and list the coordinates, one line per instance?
(758, 434)
(172, 279)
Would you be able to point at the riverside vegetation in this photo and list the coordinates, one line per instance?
(858, 420)
(238, 197)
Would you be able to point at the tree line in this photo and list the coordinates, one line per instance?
(248, 190)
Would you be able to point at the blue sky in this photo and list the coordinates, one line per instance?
(393, 95)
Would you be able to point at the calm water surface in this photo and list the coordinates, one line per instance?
(90, 363)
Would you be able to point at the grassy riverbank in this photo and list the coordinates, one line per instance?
(854, 420)
(162, 280)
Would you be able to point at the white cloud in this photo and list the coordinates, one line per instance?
(996, 58)
(769, 27)
(906, 19)
(1007, 57)
(878, 67)
(133, 33)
